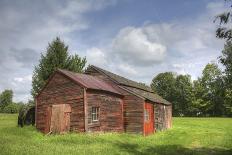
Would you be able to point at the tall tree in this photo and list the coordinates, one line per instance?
(184, 91)
(226, 60)
(55, 57)
(213, 91)
(6, 98)
(164, 85)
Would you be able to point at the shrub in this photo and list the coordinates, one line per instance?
(26, 115)
(11, 108)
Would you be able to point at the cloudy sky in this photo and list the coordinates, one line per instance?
(134, 38)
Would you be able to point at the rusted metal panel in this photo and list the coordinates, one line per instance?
(89, 81)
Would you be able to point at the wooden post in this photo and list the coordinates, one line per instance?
(85, 111)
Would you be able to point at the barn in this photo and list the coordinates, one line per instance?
(99, 100)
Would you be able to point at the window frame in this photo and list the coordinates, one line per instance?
(95, 113)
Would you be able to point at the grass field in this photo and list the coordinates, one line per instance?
(188, 136)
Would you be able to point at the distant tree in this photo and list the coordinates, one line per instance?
(56, 56)
(6, 98)
(199, 105)
(11, 108)
(224, 31)
(213, 92)
(184, 94)
(164, 85)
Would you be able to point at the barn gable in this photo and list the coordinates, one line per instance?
(136, 88)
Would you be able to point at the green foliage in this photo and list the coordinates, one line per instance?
(224, 30)
(176, 89)
(189, 136)
(203, 97)
(11, 108)
(26, 114)
(226, 60)
(183, 92)
(211, 90)
(55, 57)
(164, 85)
(6, 98)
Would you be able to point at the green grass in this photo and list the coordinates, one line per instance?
(188, 136)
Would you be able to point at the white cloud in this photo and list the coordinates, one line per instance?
(96, 57)
(132, 45)
(26, 29)
(183, 46)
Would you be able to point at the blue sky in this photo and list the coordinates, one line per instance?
(137, 39)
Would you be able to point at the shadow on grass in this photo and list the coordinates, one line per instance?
(169, 150)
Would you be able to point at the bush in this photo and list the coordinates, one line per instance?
(11, 108)
(26, 115)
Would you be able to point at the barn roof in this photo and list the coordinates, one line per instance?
(88, 81)
(148, 95)
(137, 88)
(123, 81)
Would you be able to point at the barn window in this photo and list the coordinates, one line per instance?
(95, 114)
(146, 115)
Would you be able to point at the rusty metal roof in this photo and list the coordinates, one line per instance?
(122, 80)
(137, 88)
(147, 95)
(88, 81)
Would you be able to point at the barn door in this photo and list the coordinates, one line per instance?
(148, 119)
(60, 118)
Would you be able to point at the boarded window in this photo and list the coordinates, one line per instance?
(95, 114)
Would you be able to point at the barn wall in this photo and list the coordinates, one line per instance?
(133, 105)
(163, 116)
(61, 90)
(133, 114)
(111, 111)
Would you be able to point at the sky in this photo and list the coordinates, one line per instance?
(133, 38)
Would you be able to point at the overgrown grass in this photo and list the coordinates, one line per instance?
(188, 136)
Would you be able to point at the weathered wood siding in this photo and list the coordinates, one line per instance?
(163, 117)
(111, 111)
(133, 114)
(133, 106)
(61, 90)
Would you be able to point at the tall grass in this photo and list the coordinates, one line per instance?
(189, 136)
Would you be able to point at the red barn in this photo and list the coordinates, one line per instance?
(99, 100)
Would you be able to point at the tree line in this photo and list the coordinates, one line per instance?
(6, 102)
(211, 93)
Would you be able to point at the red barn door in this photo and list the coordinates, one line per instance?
(148, 119)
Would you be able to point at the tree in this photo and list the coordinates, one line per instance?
(56, 56)
(184, 90)
(226, 60)
(6, 98)
(224, 30)
(164, 85)
(212, 92)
